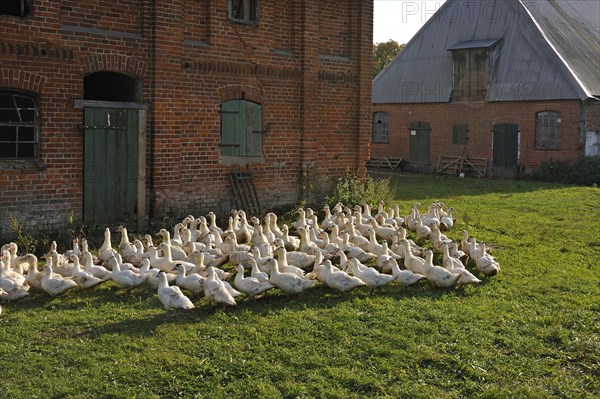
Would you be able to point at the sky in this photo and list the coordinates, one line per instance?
(401, 19)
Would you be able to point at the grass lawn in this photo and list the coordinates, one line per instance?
(533, 331)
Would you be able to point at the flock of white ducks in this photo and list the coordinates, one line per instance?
(348, 249)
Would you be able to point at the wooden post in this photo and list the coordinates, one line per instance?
(141, 184)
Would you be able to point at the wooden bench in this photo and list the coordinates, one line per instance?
(388, 163)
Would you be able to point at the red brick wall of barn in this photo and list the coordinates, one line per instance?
(307, 64)
(480, 118)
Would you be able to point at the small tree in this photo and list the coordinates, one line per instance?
(383, 53)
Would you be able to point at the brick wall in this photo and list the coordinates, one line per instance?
(480, 118)
(306, 62)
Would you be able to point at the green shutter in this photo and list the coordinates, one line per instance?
(254, 129)
(241, 128)
(230, 128)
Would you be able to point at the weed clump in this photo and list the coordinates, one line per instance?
(352, 189)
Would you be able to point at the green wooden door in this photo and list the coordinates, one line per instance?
(110, 166)
(506, 149)
(419, 143)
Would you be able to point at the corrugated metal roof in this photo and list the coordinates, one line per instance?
(530, 63)
(572, 27)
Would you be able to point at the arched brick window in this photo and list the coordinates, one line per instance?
(19, 125)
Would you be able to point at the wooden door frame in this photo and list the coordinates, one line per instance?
(141, 141)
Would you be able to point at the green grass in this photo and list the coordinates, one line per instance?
(533, 331)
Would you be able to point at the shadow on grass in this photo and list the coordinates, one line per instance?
(409, 186)
(274, 302)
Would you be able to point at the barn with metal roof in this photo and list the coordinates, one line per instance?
(507, 83)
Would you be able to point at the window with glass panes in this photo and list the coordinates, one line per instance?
(19, 125)
(547, 129)
(380, 127)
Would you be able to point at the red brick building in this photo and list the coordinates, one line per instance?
(117, 111)
(512, 82)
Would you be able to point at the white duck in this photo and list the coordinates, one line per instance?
(386, 260)
(284, 266)
(328, 220)
(437, 238)
(297, 258)
(106, 251)
(216, 291)
(198, 258)
(127, 279)
(301, 222)
(34, 276)
(243, 233)
(383, 232)
(60, 265)
(14, 289)
(446, 219)
(8, 272)
(405, 278)
(96, 270)
(485, 262)
(355, 237)
(85, 249)
(55, 284)
(126, 248)
(250, 285)
(423, 231)
(81, 277)
(306, 244)
(411, 219)
(257, 273)
(160, 262)
(168, 257)
(289, 283)
(437, 275)
(369, 275)
(153, 274)
(118, 260)
(171, 296)
(213, 223)
(354, 251)
(431, 218)
(177, 253)
(413, 263)
(75, 249)
(292, 243)
(338, 279)
(192, 282)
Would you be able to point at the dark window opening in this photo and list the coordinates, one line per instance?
(380, 127)
(243, 11)
(19, 125)
(460, 134)
(16, 8)
(241, 128)
(111, 86)
(547, 129)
